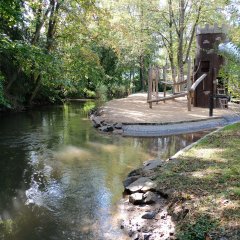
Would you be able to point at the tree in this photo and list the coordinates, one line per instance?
(231, 71)
(177, 24)
(132, 35)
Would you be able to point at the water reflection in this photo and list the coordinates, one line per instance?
(60, 178)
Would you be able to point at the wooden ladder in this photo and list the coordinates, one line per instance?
(222, 101)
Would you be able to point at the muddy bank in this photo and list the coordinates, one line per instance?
(186, 196)
(148, 210)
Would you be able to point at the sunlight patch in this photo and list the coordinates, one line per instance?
(206, 173)
(104, 147)
(206, 153)
(71, 153)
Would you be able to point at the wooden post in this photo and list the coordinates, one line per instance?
(189, 84)
(211, 95)
(153, 83)
(157, 80)
(164, 79)
(150, 87)
(149, 83)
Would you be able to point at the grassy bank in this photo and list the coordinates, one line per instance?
(205, 187)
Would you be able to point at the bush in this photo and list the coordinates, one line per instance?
(2, 98)
(101, 92)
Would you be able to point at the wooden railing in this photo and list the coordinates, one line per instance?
(182, 94)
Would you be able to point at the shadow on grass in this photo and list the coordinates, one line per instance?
(205, 181)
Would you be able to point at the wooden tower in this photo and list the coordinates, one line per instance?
(208, 61)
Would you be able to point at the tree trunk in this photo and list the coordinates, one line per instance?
(141, 73)
(180, 41)
(53, 9)
(171, 58)
(39, 23)
(36, 88)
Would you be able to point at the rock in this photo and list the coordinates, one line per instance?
(122, 224)
(136, 198)
(130, 233)
(147, 236)
(96, 122)
(142, 184)
(149, 215)
(103, 129)
(146, 229)
(118, 125)
(152, 164)
(135, 236)
(118, 131)
(150, 197)
(129, 180)
(135, 172)
(149, 186)
(107, 128)
(179, 212)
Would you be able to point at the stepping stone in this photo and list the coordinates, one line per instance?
(149, 215)
(136, 198)
(143, 184)
(150, 197)
(152, 164)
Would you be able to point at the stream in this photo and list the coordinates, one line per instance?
(61, 179)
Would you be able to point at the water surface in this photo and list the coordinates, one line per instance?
(61, 179)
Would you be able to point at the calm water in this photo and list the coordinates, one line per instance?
(61, 179)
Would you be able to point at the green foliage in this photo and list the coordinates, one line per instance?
(118, 91)
(101, 92)
(231, 72)
(6, 229)
(10, 12)
(198, 230)
(236, 191)
(88, 107)
(2, 99)
(85, 48)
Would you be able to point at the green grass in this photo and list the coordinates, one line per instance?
(206, 179)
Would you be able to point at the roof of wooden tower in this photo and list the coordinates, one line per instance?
(211, 29)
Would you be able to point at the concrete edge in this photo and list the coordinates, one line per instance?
(173, 122)
(176, 128)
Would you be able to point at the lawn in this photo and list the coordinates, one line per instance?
(205, 187)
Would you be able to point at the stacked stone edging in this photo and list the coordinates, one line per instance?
(105, 126)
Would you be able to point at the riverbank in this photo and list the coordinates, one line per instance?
(194, 195)
(132, 116)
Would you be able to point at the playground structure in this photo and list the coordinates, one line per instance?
(153, 80)
(162, 78)
(209, 62)
(202, 86)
